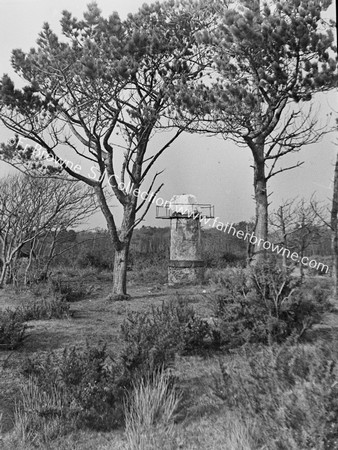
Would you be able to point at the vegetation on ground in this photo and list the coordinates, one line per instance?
(237, 359)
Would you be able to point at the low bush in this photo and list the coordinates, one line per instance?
(219, 278)
(87, 388)
(319, 290)
(79, 386)
(44, 309)
(151, 340)
(94, 259)
(12, 322)
(267, 305)
(68, 291)
(324, 270)
(149, 269)
(12, 330)
(291, 391)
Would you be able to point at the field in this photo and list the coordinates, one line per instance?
(256, 409)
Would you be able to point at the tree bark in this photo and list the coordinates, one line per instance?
(29, 264)
(334, 229)
(261, 199)
(284, 235)
(121, 256)
(121, 241)
(120, 271)
(4, 273)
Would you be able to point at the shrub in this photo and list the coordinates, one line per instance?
(322, 271)
(69, 292)
(149, 269)
(269, 305)
(233, 259)
(290, 390)
(12, 330)
(318, 290)
(87, 389)
(93, 389)
(41, 310)
(151, 340)
(149, 415)
(219, 278)
(93, 259)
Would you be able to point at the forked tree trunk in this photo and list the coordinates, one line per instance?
(334, 229)
(121, 242)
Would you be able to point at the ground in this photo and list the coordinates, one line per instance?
(96, 319)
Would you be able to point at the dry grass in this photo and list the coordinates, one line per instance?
(222, 431)
(37, 417)
(150, 414)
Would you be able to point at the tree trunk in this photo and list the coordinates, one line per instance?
(334, 229)
(43, 275)
(120, 272)
(4, 273)
(261, 199)
(301, 267)
(13, 268)
(121, 255)
(29, 264)
(121, 241)
(285, 239)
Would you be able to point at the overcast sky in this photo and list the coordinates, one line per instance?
(213, 169)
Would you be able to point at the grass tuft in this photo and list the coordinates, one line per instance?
(149, 417)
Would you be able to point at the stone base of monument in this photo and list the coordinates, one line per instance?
(185, 272)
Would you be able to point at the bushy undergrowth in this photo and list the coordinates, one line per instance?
(87, 388)
(70, 292)
(44, 309)
(151, 340)
(12, 322)
(266, 304)
(94, 259)
(149, 270)
(78, 388)
(291, 390)
(12, 330)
